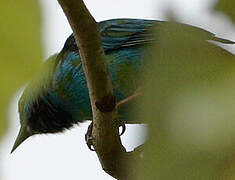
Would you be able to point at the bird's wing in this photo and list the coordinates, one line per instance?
(119, 33)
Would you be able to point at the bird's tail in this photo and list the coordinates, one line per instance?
(225, 41)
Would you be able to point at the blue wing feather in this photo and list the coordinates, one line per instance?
(123, 41)
(120, 33)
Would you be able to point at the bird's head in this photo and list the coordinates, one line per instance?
(39, 111)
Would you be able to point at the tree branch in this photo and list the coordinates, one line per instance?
(112, 155)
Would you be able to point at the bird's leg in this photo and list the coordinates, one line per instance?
(129, 99)
(88, 135)
(123, 102)
(89, 138)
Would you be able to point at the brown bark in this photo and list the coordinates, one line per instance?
(112, 155)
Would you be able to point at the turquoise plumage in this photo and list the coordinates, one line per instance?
(58, 99)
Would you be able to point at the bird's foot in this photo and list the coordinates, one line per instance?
(89, 138)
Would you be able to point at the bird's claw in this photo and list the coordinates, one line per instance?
(89, 138)
(122, 124)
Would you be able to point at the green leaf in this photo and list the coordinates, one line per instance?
(189, 107)
(226, 6)
(20, 49)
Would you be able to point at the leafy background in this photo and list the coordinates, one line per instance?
(227, 7)
(20, 50)
(20, 56)
(189, 106)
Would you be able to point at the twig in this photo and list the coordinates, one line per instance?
(129, 99)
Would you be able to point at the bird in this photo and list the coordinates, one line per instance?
(58, 98)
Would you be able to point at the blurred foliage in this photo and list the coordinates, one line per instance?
(227, 6)
(20, 49)
(189, 105)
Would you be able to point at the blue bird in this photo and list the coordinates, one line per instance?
(58, 98)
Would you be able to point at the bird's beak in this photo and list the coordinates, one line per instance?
(23, 135)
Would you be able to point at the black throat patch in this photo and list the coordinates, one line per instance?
(46, 118)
